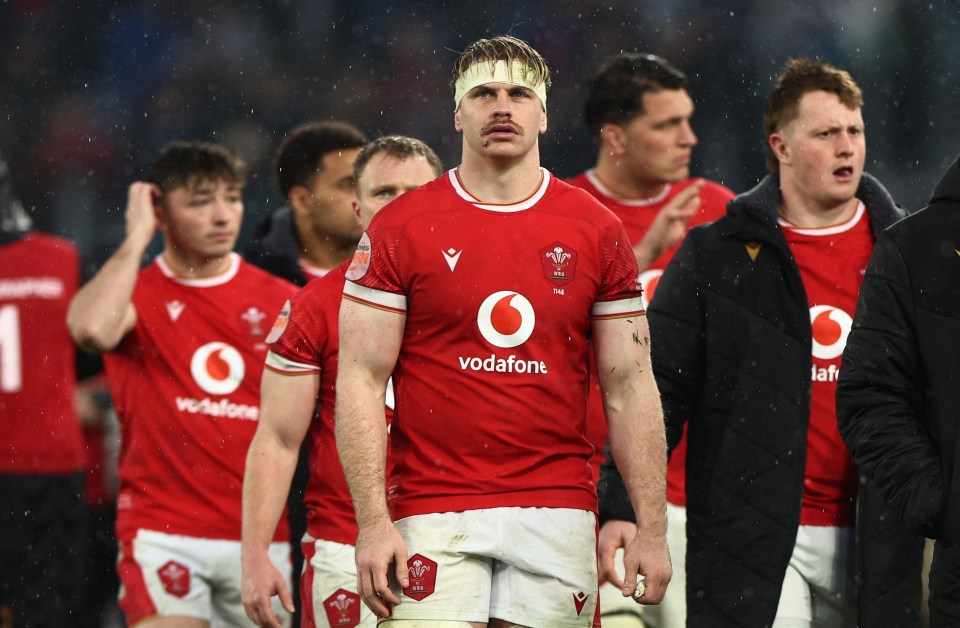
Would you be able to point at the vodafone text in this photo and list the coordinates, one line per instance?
(510, 364)
(223, 408)
(824, 374)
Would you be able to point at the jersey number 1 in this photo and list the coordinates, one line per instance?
(11, 364)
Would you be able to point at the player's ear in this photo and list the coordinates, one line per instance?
(613, 139)
(356, 213)
(298, 197)
(456, 121)
(543, 122)
(160, 210)
(779, 146)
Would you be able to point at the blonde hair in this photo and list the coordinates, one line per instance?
(798, 78)
(507, 49)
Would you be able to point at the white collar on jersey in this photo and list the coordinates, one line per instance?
(847, 225)
(629, 202)
(206, 282)
(506, 208)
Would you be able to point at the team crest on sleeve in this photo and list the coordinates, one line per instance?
(559, 263)
(280, 325)
(361, 259)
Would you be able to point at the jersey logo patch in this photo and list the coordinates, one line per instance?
(579, 599)
(175, 578)
(452, 256)
(830, 327)
(253, 316)
(343, 609)
(217, 368)
(506, 319)
(280, 325)
(361, 259)
(423, 577)
(753, 250)
(175, 309)
(559, 263)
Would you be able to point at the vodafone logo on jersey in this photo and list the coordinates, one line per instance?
(217, 368)
(506, 319)
(831, 326)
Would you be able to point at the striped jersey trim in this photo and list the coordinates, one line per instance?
(285, 366)
(375, 298)
(505, 208)
(623, 308)
(629, 202)
(829, 230)
(205, 282)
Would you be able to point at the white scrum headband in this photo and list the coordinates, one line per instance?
(516, 73)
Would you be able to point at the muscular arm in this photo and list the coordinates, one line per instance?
(287, 405)
(369, 345)
(102, 312)
(638, 443)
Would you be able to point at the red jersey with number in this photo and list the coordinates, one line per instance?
(637, 216)
(186, 385)
(309, 343)
(491, 381)
(41, 433)
(832, 261)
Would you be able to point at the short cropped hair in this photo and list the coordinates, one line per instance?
(183, 164)
(799, 77)
(616, 92)
(399, 147)
(300, 155)
(503, 48)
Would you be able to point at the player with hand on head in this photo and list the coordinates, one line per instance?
(297, 403)
(183, 343)
(477, 293)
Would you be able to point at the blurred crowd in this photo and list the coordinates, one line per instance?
(93, 89)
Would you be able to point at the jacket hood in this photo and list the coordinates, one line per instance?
(949, 187)
(275, 248)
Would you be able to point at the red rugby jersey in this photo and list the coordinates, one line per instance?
(186, 385)
(832, 261)
(41, 433)
(310, 343)
(637, 216)
(491, 381)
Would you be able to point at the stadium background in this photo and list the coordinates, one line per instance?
(91, 90)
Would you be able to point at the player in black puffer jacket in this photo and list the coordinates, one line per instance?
(898, 402)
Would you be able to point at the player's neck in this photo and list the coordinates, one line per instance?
(616, 178)
(189, 267)
(501, 181)
(323, 252)
(809, 214)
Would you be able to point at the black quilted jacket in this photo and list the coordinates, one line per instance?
(731, 343)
